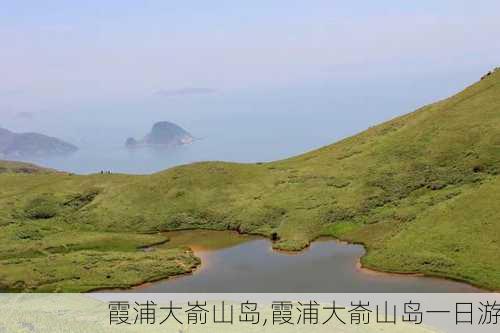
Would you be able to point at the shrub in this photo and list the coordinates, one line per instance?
(42, 207)
(28, 234)
(338, 214)
(338, 183)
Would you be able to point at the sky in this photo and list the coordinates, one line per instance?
(62, 61)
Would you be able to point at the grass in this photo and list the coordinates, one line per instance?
(420, 191)
(85, 270)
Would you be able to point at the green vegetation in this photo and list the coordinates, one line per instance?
(420, 191)
(206, 240)
(19, 167)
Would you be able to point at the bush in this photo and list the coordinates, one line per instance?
(339, 214)
(28, 235)
(338, 183)
(43, 207)
(194, 219)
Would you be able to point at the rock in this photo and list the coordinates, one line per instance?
(163, 133)
(131, 142)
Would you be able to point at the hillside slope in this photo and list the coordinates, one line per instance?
(420, 191)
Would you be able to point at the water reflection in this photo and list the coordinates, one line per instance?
(237, 263)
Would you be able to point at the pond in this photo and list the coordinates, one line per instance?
(240, 263)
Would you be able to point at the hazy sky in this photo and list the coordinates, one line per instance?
(89, 56)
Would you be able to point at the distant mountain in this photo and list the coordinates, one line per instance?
(18, 145)
(163, 133)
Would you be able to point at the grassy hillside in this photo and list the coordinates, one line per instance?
(420, 191)
(20, 167)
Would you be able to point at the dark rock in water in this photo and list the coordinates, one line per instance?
(163, 133)
(21, 145)
(131, 142)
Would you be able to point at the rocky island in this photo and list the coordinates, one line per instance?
(21, 145)
(163, 133)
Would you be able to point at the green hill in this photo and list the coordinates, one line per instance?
(21, 167)
(420, 191)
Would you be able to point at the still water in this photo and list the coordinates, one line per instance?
(239, 263)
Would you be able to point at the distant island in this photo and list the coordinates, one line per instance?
(20, 145)
(163, 133)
